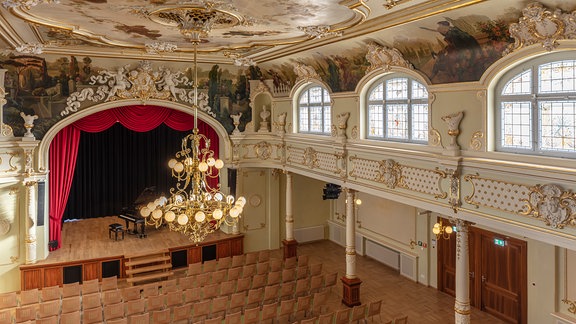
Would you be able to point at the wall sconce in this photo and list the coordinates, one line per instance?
(357, 201)
(442, 231)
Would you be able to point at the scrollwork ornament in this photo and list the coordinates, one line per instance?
(263, 150)
(310, 158)
(434, 137)
(354, 132)
(7, 130)
(540, 25)
(571, 305)
(389, 173)
(477, 141)
(454, 199)
(383, 57)
(551, 204)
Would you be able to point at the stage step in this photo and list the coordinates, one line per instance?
(146, 267)
(150, 277)
(147, 261)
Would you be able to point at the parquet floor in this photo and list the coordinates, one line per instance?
(88, 239)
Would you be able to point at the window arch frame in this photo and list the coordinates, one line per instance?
(326, 118)
(410, 101)
(534, 98)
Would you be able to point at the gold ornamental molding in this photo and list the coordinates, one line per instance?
(384, 57)
(571, 305)
(477, 141)
(143, 83)
(395, 175)
(335, 163)
(434, 137)
(539, 25)
(553, 205)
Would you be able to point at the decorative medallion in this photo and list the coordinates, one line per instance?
(389, 173)
(552, 204)
(539, 25)
(255, 200)
(383, 57)
(263, 150)
(311, 158)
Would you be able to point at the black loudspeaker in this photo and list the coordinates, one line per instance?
(232, 181)
(111, 269)
(208, 253)
(40, 206)
(73, 274)
(179, 259)
(331, 191)
(52, 245)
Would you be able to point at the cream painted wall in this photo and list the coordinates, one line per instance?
(542, 265)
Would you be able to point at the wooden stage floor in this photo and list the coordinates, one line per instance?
(88, 239)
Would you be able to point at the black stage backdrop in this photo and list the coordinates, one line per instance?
(114, 166)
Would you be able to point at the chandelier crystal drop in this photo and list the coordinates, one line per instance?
(194, 208)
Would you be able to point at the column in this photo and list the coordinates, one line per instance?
(350, 282)
(290, 244)
(462, 303)
(31, 216)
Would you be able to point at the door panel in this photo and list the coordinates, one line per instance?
(503, 277)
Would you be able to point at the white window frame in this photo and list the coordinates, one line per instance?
(408, 104)
(304, 110)
(531, 96)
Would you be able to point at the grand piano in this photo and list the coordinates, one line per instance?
(132, 215)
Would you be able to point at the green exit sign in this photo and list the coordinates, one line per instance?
(499, 242)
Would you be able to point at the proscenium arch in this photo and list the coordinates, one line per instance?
(44, 146)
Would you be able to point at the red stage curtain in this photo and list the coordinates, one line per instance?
(63, 152)
(64, 147)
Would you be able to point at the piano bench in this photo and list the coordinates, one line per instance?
(115, 228)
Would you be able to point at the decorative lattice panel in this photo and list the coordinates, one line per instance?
(423, 181)
(496, 194)
(364, 169)
(295, 155)
(327, 161)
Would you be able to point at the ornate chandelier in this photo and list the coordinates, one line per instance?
(194, 208)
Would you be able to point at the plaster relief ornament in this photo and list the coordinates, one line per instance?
(389, 173)
(539, 25)
(310, 158)
(142, 83)
(383, 57)
(263, 150)
(453, 122)
(281, 122)
(342, 119)
(319, 31)
(304, 72)
(552, 204)
(28, 123)
(160, 47)
(236, 122)
(30, 48)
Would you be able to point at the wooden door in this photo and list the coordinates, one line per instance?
(503, 277)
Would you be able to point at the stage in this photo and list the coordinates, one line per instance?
(86, 244)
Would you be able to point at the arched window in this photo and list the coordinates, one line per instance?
(397, 109)
(536, 108)
(314, 111)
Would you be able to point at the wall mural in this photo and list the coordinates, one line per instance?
(41, 85)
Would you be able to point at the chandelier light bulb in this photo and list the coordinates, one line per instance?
(203, 166)
(172, 163)
(436, 229)
(448, 229)
(151, 205)
(169, 216)
(145, 212)
(230, 199)
(219, 164)
(217, 214)
(200, 216)
(234, 213)
(211, 161)
(182, 219)
(179, 167)
(157, 214)
(241, 201)
(218, 196)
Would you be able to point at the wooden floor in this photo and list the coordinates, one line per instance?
(88, 239)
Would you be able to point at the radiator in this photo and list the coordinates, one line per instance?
(408, 266)
(309, 234)
(383, 254)
(337, 234)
